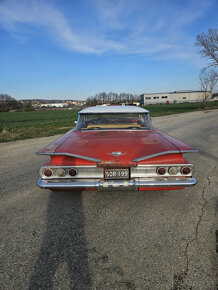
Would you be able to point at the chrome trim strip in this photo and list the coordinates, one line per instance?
(64, 184)
(155, 155)
(113, 110)
(70, 166)
(70, 155)
(168, 183)
(189, 151)
(162, 164)
(163, 153)
(128, 184)
(112, 130)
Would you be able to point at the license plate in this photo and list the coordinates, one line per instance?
(117, 174)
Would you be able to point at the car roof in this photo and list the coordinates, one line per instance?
(113, 109)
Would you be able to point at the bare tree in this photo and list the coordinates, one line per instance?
(208, 44)
(111, 98)
(208, 82)
(91, 101)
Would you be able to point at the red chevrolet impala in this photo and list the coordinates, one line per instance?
(116, 147)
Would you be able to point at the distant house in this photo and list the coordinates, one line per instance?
(76, 102)
(215, 96)
(55, 105)
(173, 97)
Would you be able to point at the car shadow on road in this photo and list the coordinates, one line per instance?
(64, 243)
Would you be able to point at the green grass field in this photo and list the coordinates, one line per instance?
(23, 125)
(163, 110)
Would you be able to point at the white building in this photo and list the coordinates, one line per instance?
(174, 97)
(54, 105)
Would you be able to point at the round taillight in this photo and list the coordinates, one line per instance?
(173, 170)
(48, 172)
(60, 172)
(185, 170)
(161, 170)
(72, 172)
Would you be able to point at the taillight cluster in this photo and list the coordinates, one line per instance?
(173, 170)
(60, 172)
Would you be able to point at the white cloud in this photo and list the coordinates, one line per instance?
(42, 14)
(124, 27)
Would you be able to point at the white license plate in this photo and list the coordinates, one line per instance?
(117, 174)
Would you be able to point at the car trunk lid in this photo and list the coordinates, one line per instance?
(115, 148)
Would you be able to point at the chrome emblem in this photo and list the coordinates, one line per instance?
(116, 154)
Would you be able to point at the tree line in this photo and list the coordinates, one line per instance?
(14, 105)
(112, 98)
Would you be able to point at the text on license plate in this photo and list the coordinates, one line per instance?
(117, 174)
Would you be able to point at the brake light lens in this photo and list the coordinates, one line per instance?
(161, 170)
(185, 170)
(48, 172)
(72, 172)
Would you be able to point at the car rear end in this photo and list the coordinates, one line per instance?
(146, 175)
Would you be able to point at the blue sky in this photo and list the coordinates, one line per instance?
(75, 49)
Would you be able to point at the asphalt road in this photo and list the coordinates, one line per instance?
(110, 240)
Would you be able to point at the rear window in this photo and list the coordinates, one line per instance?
(123, 121)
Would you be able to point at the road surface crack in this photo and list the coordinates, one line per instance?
(179, 278)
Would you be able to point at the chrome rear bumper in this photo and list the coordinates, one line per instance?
(116, 184)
